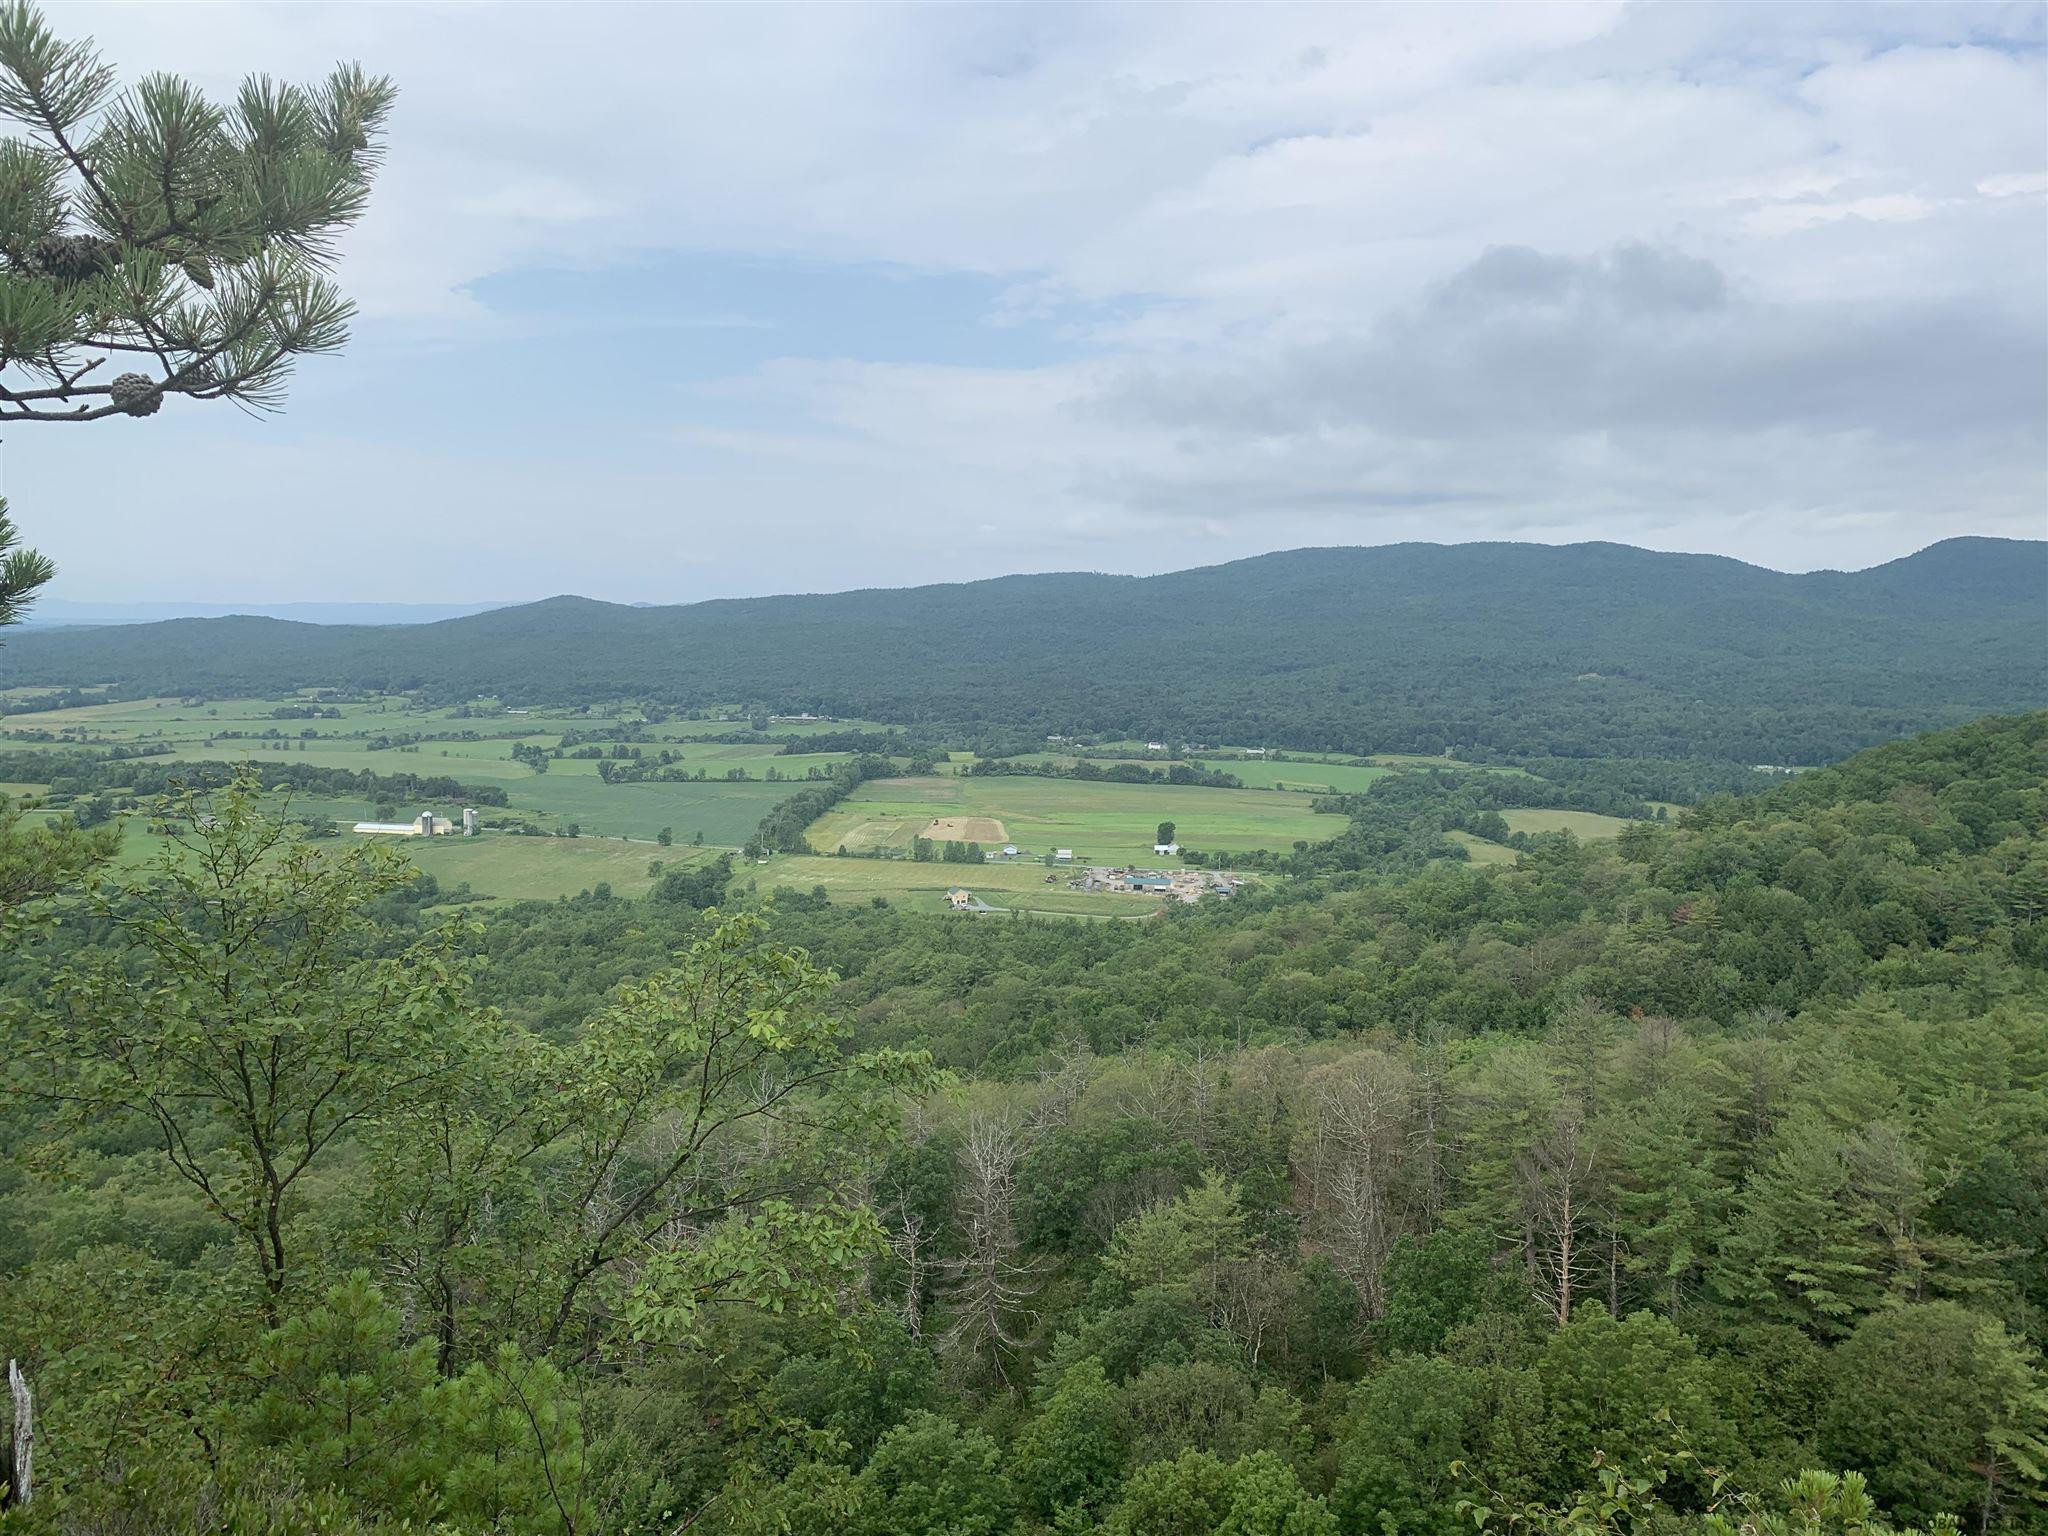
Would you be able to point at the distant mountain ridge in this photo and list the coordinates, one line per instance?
(1579, 650)
(51, 611)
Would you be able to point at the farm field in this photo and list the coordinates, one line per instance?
(725, 812)
(715, 758)
(1586, 825)
(1317, 778)
(542, 868)
(1102, 823)
(922, 887)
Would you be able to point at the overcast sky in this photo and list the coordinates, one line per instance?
(663, 303)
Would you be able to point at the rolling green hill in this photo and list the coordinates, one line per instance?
(1589, 649)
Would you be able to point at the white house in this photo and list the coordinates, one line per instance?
(1063, 855)
(1166, 850)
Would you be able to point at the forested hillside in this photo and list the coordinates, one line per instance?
(1587, 650)
(1602, 1191)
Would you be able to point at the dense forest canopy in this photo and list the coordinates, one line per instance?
(1688, 1182)
(1588, 650)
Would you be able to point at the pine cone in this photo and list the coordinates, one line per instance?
(70, 258)
(137, 394)
(199, 269)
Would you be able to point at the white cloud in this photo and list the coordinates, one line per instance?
(1267, 229)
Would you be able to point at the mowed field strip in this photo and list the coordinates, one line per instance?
(1102, 823)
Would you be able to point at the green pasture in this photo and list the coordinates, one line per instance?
(542, 868)
(140, 715)
(922, 887)
(1317, 778)
(1102, 823)
(1585, 825)
(725, 812)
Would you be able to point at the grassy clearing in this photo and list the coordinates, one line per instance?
(1480, 851)
(1585, 825)
(1102, 823)
(923, 887)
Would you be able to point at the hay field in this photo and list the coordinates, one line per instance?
(1102, 823)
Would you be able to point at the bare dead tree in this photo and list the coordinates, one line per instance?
(20, 1485)
(1060, 1088)
(906, 1241)
(988, 1286)
(1250, 1299)
(1361, 1118)
(1558, 1208)
(1426, 1139)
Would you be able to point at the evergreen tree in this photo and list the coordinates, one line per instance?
(23, 572)
(152, 223)
(1800, 1250)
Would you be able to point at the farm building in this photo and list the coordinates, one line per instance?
(426, 824)
(1063, 855)
(1189, 885)
(1166, 850)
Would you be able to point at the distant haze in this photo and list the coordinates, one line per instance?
(53, 613)
(57, 610)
